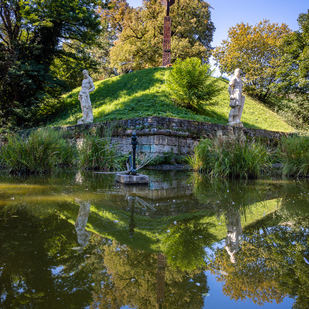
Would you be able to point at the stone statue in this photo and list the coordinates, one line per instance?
(84, 98)
(237, 100)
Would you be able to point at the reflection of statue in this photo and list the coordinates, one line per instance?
(234, 230)
(237, 100)
(80, 224)
(84, 98)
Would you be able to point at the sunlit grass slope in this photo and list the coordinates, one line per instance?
(143, 93)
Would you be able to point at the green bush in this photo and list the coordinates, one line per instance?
(97, 153)
(294, 154)
(191, 85)
(230, 156)
(39, 152)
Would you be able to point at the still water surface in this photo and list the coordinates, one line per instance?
(83, 241)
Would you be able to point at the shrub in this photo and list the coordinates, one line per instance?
(230, 156)
(294, 154)
(39, 152)
(191, 85)
(96, 153)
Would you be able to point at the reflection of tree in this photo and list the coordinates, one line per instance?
(269, 266)
(38, 267)
(221, 194)
(185, 243)
(134, 281)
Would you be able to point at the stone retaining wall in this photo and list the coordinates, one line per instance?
(165, 135)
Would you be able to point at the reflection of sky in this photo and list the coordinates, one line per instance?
(218, 300)
(57, 270)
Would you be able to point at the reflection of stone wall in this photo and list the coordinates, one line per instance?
(160, 189)
(168, 196)
(163, 134)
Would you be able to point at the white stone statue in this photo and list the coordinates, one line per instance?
(237, 100)
(84, 98)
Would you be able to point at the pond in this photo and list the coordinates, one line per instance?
(78, 240)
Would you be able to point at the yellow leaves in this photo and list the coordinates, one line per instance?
(254, 49)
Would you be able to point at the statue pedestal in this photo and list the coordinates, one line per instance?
(132, 179)
(236, 124)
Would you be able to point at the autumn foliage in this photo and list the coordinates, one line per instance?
(254, 49)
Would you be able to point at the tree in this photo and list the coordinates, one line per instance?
(140, 36)
(191, 85)
(293, 71)
(255, 50)
(32, 35)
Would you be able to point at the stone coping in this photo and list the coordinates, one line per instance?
(156, 125)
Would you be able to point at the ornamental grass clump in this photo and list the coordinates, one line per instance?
(190, 84)
(40, 152)
(294, 155)
(96, 153)
(230, 156)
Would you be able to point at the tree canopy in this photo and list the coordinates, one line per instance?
(293, 73)
(33, 34)
(140, 33)
(256, 51)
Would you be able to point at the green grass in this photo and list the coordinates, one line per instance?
(143, 94)
(294, 155)
(230, 156)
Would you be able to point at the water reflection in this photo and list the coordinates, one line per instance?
(80, 224)
(149, 247)
(234, 231)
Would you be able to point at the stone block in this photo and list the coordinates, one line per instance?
(157, 149)
(132, 179)
(172, 141)
(145, 148)
(183, 150)
(167, 148)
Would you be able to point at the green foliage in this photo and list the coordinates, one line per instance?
(230, 156)
(294, 154)
(185, 244)
(141, 47)
(254, 49)
(96, 153)
(33, 34)
(292, 74)
(39, 152)
(294, 63)
(190, 84)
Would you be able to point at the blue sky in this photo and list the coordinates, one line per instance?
(227, 13)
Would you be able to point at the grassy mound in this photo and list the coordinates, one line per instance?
(143, 93)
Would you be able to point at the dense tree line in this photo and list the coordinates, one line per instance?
(275, 64)
(44, 45)
(33, 35)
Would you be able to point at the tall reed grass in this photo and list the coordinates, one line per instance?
(96, 153)
(41, 151)
(294, 155)
(230, 156)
